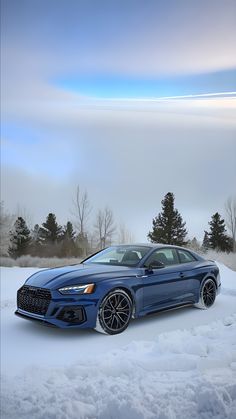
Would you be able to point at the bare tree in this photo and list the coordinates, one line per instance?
(105, 227)
(99, 228)
(6, 221)
(82, 209)
(125, 236)
(109, 226)
(230, 219)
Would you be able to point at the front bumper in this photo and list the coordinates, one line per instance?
(65, 311)
(29, 316)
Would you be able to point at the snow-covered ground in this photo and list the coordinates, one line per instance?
(178, 364)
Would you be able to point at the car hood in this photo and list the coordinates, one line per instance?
(78, 274)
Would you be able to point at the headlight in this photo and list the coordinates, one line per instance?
(77, 289)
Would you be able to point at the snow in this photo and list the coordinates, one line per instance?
(173, 365)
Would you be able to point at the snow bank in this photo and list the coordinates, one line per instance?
(228, 259)
(38, 262)
(182, 374)
(146, 372)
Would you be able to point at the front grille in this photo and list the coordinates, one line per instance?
(33, 299)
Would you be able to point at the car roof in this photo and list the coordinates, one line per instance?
(153, 245)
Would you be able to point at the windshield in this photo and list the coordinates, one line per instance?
(120, 255)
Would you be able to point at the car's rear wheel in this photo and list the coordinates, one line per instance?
(114, 313)
(207, 294)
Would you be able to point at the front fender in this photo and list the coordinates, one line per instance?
(134, 290)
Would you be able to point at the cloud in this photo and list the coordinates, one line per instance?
(127, 159)
(129, 38)
(128, 154)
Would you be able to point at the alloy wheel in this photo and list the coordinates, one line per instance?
(116, 312)
(209, 293)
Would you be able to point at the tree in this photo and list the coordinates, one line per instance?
(19, 238)
(37, 240)
(82, 244)
(69, 232)
(125, 236)
(51, 237)
(218, 239)
(68, 248)
(168, 226)
(51, 230)
(23, 212)
(105, 227)
(82, 209)
(194, 244)
(230, 209)
(5, 226)
(206, 241)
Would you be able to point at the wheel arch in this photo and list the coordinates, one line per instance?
(209, 277)
(200, 303)
(125, 289)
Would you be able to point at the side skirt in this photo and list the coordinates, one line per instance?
(169, 308)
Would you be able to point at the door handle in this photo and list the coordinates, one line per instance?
(181, 275)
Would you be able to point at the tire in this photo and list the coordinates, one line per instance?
(207, 295)
(110, 320)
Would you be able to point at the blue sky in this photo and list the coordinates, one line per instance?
(111, 86)
(62, 65)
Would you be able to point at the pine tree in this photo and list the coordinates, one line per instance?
(69, 232)
(6, 221)
(19, 239)
(68, 241)
(37, 240)
(206, 242)
(168, 226)
(194, 244)
(218, 238)
(51, 230)
(51, 237)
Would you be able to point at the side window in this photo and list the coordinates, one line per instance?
(185, 256)
(166, 256)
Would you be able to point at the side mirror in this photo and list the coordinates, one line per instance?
(156, 265)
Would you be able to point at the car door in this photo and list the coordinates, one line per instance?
(188, 265)
(164, 286)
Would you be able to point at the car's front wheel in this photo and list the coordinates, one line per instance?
(207, 294)
(114, 313)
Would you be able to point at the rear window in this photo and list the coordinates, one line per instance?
(166, 256)
(185, 257)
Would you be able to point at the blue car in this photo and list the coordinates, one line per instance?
(116, 284)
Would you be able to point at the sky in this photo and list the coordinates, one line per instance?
(129, 99)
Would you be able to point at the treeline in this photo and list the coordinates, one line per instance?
(169, 228)
(50, 239)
